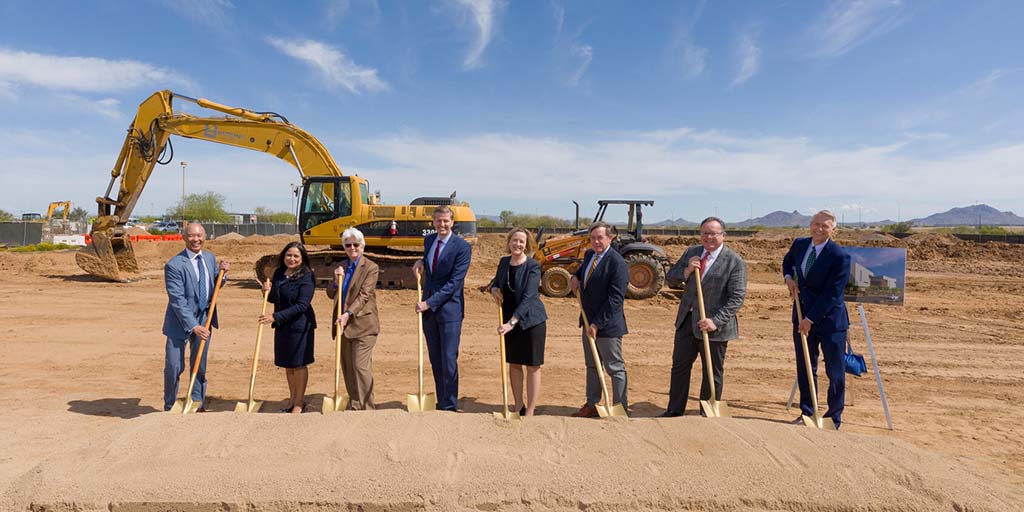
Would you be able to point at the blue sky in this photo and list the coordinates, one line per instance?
(873, 108)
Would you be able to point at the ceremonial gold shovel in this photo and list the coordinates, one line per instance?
(420, 401)
(252, 405)
(817, 421)
(186, 405)
(504, 414)
(607, 409)
(340, 401)
(712, 407)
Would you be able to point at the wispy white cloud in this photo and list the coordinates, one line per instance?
(572, 57)
(847, 24)
(7, 91)
(585, 54)
(82, 74)
(981, 100)
(744, 166)
(106, 107)
(212, 14)
(482, 16)
(334, 66)
(683, 55)
(748, 56)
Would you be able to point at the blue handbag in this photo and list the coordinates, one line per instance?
(854, 362)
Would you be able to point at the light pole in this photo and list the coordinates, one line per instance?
(183, 166)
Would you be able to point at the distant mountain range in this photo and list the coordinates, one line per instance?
(981, 214)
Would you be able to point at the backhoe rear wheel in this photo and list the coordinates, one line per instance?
(265, 267)
(555, 282)
(646, 276)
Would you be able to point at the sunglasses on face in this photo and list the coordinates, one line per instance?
(356, 244)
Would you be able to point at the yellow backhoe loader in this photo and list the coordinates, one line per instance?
(58, 204)
(330, 201)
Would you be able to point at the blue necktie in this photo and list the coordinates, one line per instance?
(203, 296)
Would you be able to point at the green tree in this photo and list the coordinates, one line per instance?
(506, 217)
(208, 207)
(5, 216)
(78, 214)
(898, 227)
(264, 214)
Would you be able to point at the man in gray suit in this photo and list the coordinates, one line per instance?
(189, 278)
(724, 283)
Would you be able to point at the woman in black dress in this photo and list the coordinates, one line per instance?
(515, 288)
(293, 320)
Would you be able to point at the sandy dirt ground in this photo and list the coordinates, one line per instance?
(81, 385)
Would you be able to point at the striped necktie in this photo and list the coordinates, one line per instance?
(203, 282)
(810, 260)
(593, 265)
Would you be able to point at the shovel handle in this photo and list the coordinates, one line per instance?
(504, 366)
(807, 356)
(708, 371)
(259, 337)
(419, 329)
(595, 354)
(202, 342)
(337, 341)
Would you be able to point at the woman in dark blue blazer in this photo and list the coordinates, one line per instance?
(293, 320)
(515, 288)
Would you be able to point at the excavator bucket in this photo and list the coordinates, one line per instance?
(108, 256)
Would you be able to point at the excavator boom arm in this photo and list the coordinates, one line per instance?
(145, 145)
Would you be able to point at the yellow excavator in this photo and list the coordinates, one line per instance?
(330, 201)
(66, 205)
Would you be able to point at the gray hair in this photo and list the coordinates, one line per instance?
(827, 214)
(352, 232)
(601, 224)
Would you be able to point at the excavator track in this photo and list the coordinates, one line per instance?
(395, 266)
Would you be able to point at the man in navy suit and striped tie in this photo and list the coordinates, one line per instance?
(602, 280)
(445, 262)
(820, 268)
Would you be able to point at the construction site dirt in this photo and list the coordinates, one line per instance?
(81, 384)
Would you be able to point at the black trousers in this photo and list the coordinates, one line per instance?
(684, 353)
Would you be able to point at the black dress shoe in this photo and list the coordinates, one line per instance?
(668, 414)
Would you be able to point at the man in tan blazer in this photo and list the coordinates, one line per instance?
(359, 321)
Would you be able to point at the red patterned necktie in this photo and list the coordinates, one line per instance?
(703, 263)
(437, 252)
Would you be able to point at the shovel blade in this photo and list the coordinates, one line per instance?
(715, 408)
(616, 410)
(421, 402)
(819, 422)
(253, 406)
(507, 415)
(336, 404)
(178, 407)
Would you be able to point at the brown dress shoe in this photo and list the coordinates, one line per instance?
(587, 411)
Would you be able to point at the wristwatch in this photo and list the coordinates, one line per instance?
(513, 321)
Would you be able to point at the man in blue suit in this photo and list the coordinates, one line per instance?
(189, 278)
(445, 262)
(601, 282)
(820, 268)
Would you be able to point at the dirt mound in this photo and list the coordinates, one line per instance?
(230, 236)
(399, 461)
(135, 230)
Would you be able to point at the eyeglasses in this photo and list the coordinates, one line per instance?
(711, 234)
(356, 244)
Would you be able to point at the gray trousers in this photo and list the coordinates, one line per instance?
(684, 353)
(356, 358)
(174, 364)
(610, 352)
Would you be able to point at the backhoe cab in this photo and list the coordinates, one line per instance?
(561, 256)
